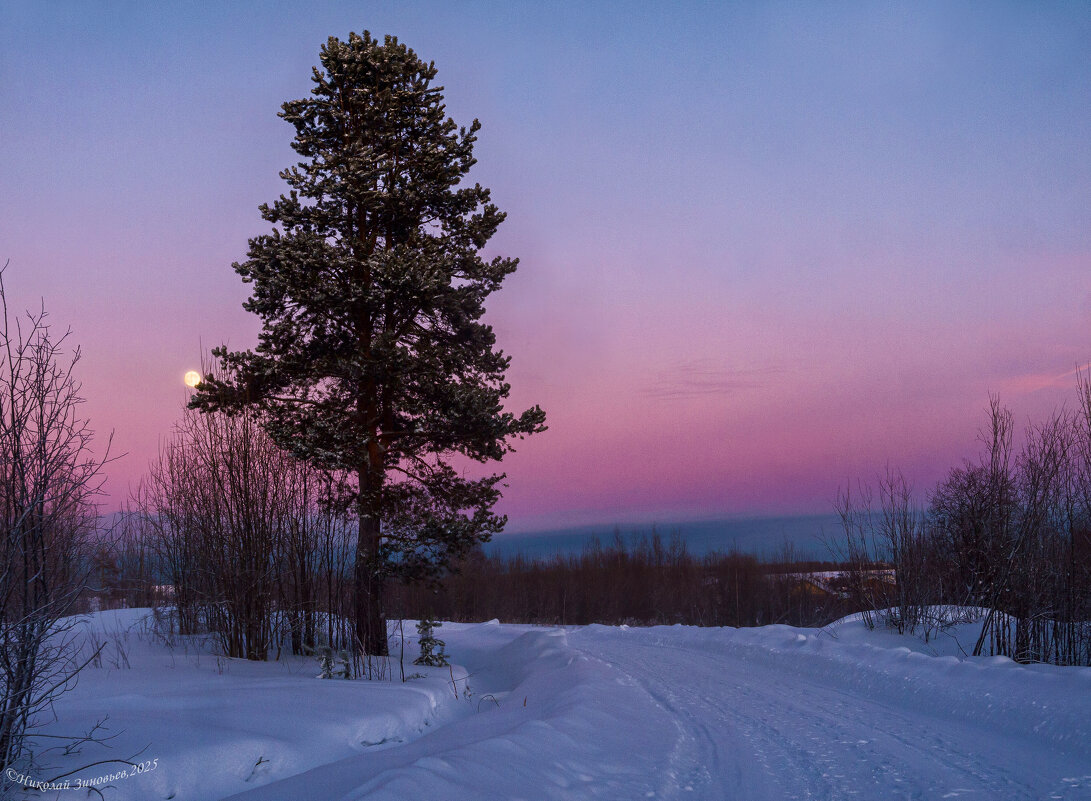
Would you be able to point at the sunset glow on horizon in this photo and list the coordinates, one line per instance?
(764, 250)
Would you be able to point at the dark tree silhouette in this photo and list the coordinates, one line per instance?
(373, 360)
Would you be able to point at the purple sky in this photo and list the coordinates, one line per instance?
(765, 249)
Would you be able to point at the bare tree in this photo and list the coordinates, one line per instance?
(49, 481)
(219, 498)
(248, 537)
(1005, 538)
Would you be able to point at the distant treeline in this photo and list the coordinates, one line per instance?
(645, 582)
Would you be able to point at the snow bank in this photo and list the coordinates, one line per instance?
(218, 726)
(554, 724)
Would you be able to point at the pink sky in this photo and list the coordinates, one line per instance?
(763, 252)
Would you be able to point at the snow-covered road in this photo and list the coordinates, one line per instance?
(600, 713)
(749, 726)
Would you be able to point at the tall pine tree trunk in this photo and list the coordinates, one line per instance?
(370, 620)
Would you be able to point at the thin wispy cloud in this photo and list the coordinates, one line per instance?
(1033, 382)
(705, 377)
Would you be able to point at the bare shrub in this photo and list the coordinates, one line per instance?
(49, 481)
(249, 538)
(218, 498)
(1006, 535)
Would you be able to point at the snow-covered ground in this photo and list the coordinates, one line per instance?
(593, 712)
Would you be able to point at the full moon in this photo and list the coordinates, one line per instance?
(193, 378)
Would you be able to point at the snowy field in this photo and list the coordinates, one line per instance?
(593, 712)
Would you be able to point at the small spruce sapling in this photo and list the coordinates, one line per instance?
(431, 649)
(324, 654)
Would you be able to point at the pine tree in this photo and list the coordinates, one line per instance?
(373, 361)
(431, 648)
(325, 661)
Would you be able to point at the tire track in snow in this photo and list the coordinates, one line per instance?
(755, 730)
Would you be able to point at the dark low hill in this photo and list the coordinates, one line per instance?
(767, 537)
